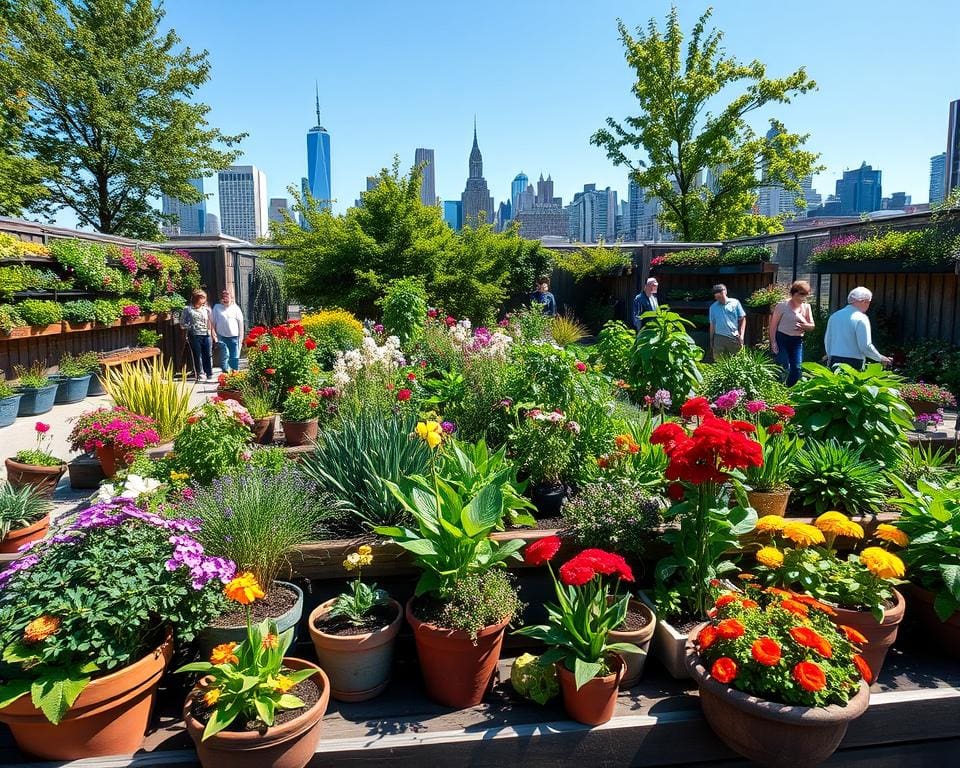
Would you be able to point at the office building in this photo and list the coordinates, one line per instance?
(188, 218)
(428, 183)
(952, 164)
(276, 208)
(859, 191)
(543, 221)
(592, 216)
(476, 198)
(453, 214)
(938, 181)
(211, 224)
(243, 202)
(898, 201)
(318, 182)
(517, 187)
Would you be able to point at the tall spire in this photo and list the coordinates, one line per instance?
(476, 159)
(318, 102)
(475, 146)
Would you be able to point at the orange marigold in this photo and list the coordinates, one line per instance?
(810, 638)
(810, 676)
(882, 564)
(770, 524)
(770, 557)
(41, 629)
(244, 589)
(270, 642)
(746, 602)
(862, 667)
(853, 635)
(839, 524)
(730, 629)
(707, 637)
(725, 599)
(891, 533)
(794, 606)
(224, 654)
(766, 651)
(724, 669)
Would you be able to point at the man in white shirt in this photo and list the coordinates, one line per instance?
(228, 323)
(848, 338)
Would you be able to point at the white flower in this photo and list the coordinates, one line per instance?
(106, 492)
(136, 486)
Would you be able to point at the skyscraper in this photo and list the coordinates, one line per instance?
(859, 191)
(517, 186)
(593, 215)
(190, 217)
(243, 202)
(317, 182)
(952, 168)
(428, 185)
(476, 198)
(544, 191)
(938, 182)
(276, 208)
(212, 224)
(453, 213)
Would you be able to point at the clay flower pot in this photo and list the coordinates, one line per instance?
(359, 666)
(594, 702)
(456, 671)
(17, 537)
(946, 634)
(108, 460)
(769, 502)
(287, 745)
(299, 432)
(635, 662)
(768, 732)
(263, 429)
(43, 479)
(231, 394)
(880, 634)
(109, 717)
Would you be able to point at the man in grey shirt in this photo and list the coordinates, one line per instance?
(728, 322)
(848, 338)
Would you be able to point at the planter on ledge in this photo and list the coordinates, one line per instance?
(16, 333)
(944, 634)
(769, 502)
(54, 329)
(879, 265)
(69, 327)
(297, 433)
(762, 267)
(669, 645)
(635, 662)
(35, 401)
(593, 702)
(212, 636)
(880, 634)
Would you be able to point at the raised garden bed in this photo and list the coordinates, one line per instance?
(762, 267)
(868, 267)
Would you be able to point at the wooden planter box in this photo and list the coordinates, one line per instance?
(16, 333)
(54, 329)
(114, 324)
(139, 320)
(760, 267)
(880, 265)
(69, 327)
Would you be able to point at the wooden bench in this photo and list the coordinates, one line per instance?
(112, 360)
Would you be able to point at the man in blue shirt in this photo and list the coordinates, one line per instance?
(728, 322)
(645, 301)
(543, 296)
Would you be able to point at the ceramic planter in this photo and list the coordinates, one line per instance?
(292, 744)
(72, 389)
(298, 433)
(768, 732)
(921, 425)
(548, 499)
(880, 634)
(85, 473)
(20, 536)
(109, 717)
(922, 406)
(212, 636)
(593, 703)
(8, 409)
(36, 400)
(107, 455)
(264, 429)
(359, 666)
(456, 670)
(43, 479)
(769, 502)
(635, 662)
(669, 645)
(946, 634)
(96, 387)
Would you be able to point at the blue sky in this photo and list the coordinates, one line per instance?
(543, 76)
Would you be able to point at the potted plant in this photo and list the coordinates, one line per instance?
(463, 600)
(542, 442)
(81, 683)
(44, 317)
(579, 627)
(9, 403)
(232, 713)
(78, 315)
(301, 413)
(36, 467)
(114, 434)
(927, 421)
(12, 325)
(777, 685)
(215, 441)
(259, 404)
(36, 390)
(858, 591)
(926, 398)
(769, 490)
(24, 516)
(354, 634)
(231, 386)
(73, 379)
(130, 313)
(283, 356)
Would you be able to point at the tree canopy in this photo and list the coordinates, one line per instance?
(705, 166)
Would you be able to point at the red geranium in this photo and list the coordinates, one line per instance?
(730, 629)
(784, 411)
(264, 348)
(724, 670)
(576, 574)
(810, 676)
(411, 376)
(542, 551)
(310, 344)
(403, 395)
(696, 407)
(270, 371)
(853, 635)
(766, 651)
(775, 429)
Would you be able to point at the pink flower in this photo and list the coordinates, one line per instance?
(756, 406)
(581, 366)
(41, 428)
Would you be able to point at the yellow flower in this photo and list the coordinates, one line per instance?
(244, 589)
(430, 432)
(211, 696)
(891, 533)
(364, 549)
(839, 524)
(770, 524)
(284, 683)
(882, 564)
(41, 629)
(270, 642)
(353, 561)
(770, 557)
(224, 654)
(803, 534)
(175, 476)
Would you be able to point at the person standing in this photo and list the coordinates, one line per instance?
(789, 320)
(645, 301)
(228, 325)
(197, 323)
(848, 337)
(728, 322)
(543, 296)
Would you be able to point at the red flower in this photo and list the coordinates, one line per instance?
(41, 428)
(794, 606)
(310, 344)
(432, 313)
(853, 635)
(707, 637)
(450, 321)
(746, 602)
(264, 348)
(742, 426)
(724, 670)
(576, 574)
(391, 386)
(270, 371)
(725, 599)
(675, 491)
(698, 406)
(541, 551)
(862, 667)
(668, 434)
(730, 629)
(411, 376)
(766, 651)
(403, 395)
(810, 676)
(785, 411)
(607, 563)
(306, 389)
(810, 638)
(581, 366)
(192, 419)
(775, 429)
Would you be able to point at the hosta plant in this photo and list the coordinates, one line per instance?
(829, 475)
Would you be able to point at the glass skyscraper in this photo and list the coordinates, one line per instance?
(317, 182)
(191, 217)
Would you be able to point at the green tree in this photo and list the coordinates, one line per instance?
(109, 112)
(684, 142)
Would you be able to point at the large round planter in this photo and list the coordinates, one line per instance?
(107, 456)
(768, 732)
(213, 636)
(96, 388)
(72, 389)
(8, 409)
(43, 479)
(20, 536)
(548, 499)
(298, 433)
(109, 717)
(880, 634)
(946, 634)
(594, 702)
(769, 502)
(263, 429)
(35, 401)
(292, 744)
(635, 662)
(456, 670)
(359, 666)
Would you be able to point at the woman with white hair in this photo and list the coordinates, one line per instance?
(848, 338)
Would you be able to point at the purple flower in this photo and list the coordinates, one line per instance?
(728, 400)
(662, 398)
(448, 426)
(378, 328)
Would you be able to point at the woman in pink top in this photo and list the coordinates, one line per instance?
(788, 322)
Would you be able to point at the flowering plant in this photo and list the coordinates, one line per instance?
(359, 599)
(368, 378)
(579, 624)
(542, 443)
(779, 453)
(781, 647)
(130, 310)
(39, 456)
(233, 381)
(304, 403)
(862, 581)
(214, 440)
(281, 357)
(939, 397)
(126, 431)
(96, 596)
(247, 680)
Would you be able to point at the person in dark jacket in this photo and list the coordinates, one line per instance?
(645, 301)
(543, 296)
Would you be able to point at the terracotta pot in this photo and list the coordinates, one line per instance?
(946, 634)
(109, 717)
(635, 662)
(43, 479)
(359, 666)
(769, 502)
(768, 732)
(263, 429)
(230, 394)
(669, 645)
(456, 671)
(17, 537)
(288, 745)
(880, 634)
(922, 406)
(211, 636)
(69, 327)
(298, 433)
(594, 702)
(107, 455)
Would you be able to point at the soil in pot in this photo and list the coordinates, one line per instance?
(277, 602)
(594, 702)
(638, 628)
(307, 691)
(380, 616)
(283, 603)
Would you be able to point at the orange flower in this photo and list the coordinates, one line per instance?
(779, 592)
(224, 654)
(810, 676)
(894, 535)
(803, 534)
(707, 637)
(730, 629)
(746, 577)
(270, 642)
(724, 669)
(882, 564)
(810, 638)
(812, 602)
(862, 667)
(853, 635)
(766, 651)
(794, 606)
(211, 696)
(725, 599)
(746, 602)
(244, 589)
(41, 629)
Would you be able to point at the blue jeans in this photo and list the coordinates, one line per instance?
(229, 353)
(200, 345)
(790, 356)
(854, 362)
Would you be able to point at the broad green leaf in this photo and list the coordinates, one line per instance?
(13, 690)
(483, 512)
(54, 693)
(584, 671)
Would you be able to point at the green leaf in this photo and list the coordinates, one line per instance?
(54, 693)
(13, 690)
(289, 701)
(584, 671)
(483, 512)
(223, 715)
(264, 707)
(419, 547)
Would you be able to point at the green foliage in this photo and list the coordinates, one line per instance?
(664, 357)
(40, 312)
(23, 278)
(334, 330)
(534, 680)
(859, 409)
(34, 377)
(542, 445)
(618, 514)
(935, 361)
(713, 257)
(268, 294)
(213, 442)
(924, 461)
(769, 296)
(475, 400)
(107, 151)
(481, 599)
(79, 311)
(934, 247)
(752, 370)
(612, 350)
(593, 261)
(71, 365)
(529, 323)
(300, 406)
(830, 475)
(106, 312)
(152, 390)
(9, 318)
(148, 338)
(779, 456)
(359, 599)
(20, 507)
(404, 305)
(682, 140)
(566, 330)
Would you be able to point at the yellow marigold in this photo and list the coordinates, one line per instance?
(210, 697)
(284, 683)
(839, 524)
(770, 557)
(883, 564)
(244, 589)
(430, 432)
(41, 629)
(803, 534)
(891, 533)
(366, 554)
(224, 654)
(770, 524)
(353, 561)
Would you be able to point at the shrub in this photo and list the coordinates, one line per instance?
(268, 294)
(831, 476)
(106, 311)
(34, 377)
(73, 365)
(566, 330)
(9, 318)
(935, 361)
(614, 513)
(152, 390)
(665, 357)
(306, 403)
(612, 350)
(542, 444)
(710, 257)
(930, 247)
(593, 261)
(529, 323)
(214, 441)
(404, 306)
(281, 357)
(476, 400)
(751, 370)
(80, 311)
(40, 312)
(480, 599)
(769, 296)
